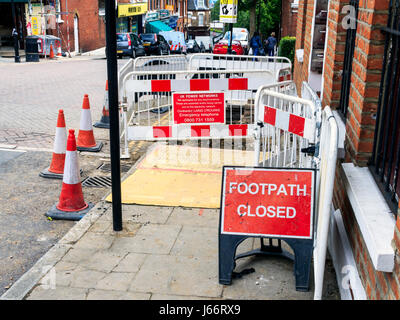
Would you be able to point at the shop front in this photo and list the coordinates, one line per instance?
(7, 24)
(130, 17)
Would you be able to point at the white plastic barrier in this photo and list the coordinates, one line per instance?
(280, 66)
(327, 167)
(290, 137)
(144, 96)
(288, 128)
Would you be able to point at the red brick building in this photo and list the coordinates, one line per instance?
(289, 18)
(84, 26)
(348, 50)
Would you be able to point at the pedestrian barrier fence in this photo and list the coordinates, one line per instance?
(280, 66)
(325, 179)
(210, 102)
(202, 105)
(288, 128)
(296, 133)
(208, 61)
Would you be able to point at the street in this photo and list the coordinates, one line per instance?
(30, 96)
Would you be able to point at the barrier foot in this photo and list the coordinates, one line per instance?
(226, 256)
(303, 252)
(268, 250)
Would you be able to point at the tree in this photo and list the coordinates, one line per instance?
(261, 15)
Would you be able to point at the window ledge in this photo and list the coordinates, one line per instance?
(375, 219)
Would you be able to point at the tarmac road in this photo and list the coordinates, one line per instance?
(25, 233)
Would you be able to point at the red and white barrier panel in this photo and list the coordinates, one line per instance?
(211, 131)
(223, 84)
(286, 77)
(289, 122)
(174, 47)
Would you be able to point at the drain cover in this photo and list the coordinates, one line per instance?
(101, 182)
(106, 167)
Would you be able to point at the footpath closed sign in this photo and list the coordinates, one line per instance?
(268, 202)
(199, 108)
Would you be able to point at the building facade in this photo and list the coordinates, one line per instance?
(289, 18)
(199, 18)
(348, 51)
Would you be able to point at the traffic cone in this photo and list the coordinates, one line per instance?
(71, 205)
(59, 53)
(86, 140)
(51, 52)
(105, 118)
(56, 168)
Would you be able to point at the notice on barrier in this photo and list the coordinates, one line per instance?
(198, 107)
(268, 202)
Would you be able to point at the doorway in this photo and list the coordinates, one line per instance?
(76, 34)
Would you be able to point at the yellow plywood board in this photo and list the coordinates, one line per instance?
(181, 176)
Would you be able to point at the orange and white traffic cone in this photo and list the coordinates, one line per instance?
(71, 205)
(59, 53)
(56, 168)
(86, 140)
(105, 118)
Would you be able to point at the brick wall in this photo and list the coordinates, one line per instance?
(366, 76)
(92, 28)
(304, 32)
(360, 126)
(377, 285)
(335, 49)
(289, 19)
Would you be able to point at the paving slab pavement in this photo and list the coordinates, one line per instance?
(163, 253)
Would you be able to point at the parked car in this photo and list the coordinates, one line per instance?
(129, 44)
(222, 47)
(176, 41)
(207, 41)
(154, 44)
(241, 35)
(193, 46)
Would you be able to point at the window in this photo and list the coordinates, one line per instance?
(201, 19)
(348, 63)
(385, 161)
(200, 4)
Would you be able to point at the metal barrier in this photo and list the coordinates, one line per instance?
(280, 66)
(287, 130)
(326, 179)
(296, 133)
(146, 96)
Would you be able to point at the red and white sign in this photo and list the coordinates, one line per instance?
(199, 107)
(268, 202)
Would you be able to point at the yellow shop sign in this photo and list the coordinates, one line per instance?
(131, 9)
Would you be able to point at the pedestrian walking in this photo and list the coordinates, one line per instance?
(270, 44)
(255, 43)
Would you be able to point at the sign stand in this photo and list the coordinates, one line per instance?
(303, 252)
(267, 203)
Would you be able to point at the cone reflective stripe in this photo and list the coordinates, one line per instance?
(71, 205)
(86, 140)
(105, 118)
(71, 198)
(60, 143)
(56, 168)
